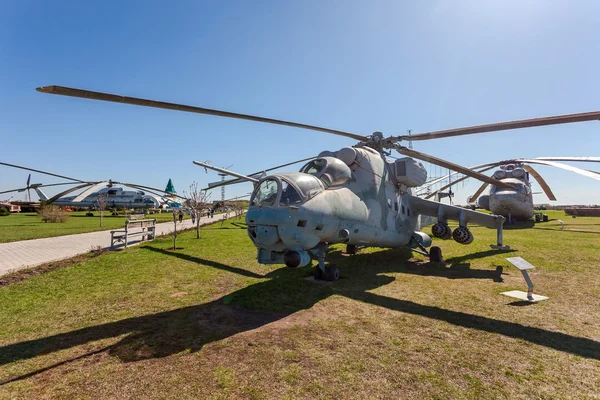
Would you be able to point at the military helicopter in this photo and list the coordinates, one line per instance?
(141, 197)
(353, 196)
(516, 204)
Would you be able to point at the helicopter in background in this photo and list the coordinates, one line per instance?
(516, 204)
(116, 197)
(353, 196)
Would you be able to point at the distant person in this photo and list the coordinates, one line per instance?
(212, 212)
(180, 215)
(193, 215)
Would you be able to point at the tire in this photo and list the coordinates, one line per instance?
(318, 274)
(435, 254)
(545, 218)
(332, 273)
(350, 249)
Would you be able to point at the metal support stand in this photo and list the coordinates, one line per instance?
(523, 266)
(499, 240)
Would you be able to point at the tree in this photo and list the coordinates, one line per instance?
(198, 203)
(239, 208)
(175, 214)
(101, 205)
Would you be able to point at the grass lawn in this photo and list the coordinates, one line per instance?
(24, 226)
(208, 322)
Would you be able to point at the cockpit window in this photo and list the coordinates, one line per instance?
(308, 185)
(518, 187)
(289, 195)
(314, 167)
(265, 194)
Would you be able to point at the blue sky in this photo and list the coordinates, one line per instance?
(358, 66)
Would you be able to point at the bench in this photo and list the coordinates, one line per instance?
(147, 226)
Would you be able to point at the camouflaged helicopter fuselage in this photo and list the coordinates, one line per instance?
(371, 209)
(368, 207)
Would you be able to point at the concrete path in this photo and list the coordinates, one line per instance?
(30, 253)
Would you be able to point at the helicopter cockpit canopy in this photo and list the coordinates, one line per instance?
(284, 190)
(330, 170)
(519, 187)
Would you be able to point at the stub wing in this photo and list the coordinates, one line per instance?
(445, 212)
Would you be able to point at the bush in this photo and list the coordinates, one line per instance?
(4, 212)
(53, 214)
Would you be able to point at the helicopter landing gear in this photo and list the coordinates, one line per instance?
(319, 274)
(435, 254)
(325, 272)
(331, 273)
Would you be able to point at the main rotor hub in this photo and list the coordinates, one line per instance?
(378, 142)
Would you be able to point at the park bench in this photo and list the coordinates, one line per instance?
(147, 226)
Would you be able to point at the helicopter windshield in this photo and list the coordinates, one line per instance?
(265, 194)
(518, 187)
(289, 195)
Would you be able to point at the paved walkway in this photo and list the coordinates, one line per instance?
(30, 253)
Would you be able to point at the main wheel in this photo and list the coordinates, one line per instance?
(318, 273)
(435, 254)
(332, 273)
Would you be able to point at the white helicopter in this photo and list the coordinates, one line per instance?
(516, 203)
(117, 197)
(353, 196)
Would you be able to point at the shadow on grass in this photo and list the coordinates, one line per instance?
(479, 254)
(519, 225)
(521, 303)
(203, 261)
(454, 271)
(569, 230)
(190, 328)
(235, 225)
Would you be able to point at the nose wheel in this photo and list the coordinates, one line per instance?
(330, 274)
(324, 272)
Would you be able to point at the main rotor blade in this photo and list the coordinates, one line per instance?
(256, 175)
(460, 180)
(579, 171)
(504, 126)
(89, 191)
(476, 195)
(225, 171)
(443, 178)
(149, 188)
(541, 181)
(238, 197)
(14, 190)
(41, 172)
(455, 167)
(37, 186)
(61, 194)
(87, 94)
(583, 159)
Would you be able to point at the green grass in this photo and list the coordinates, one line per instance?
(208, 322)
(25, 226)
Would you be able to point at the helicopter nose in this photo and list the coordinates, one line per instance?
(507, 200)
(263, 235)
